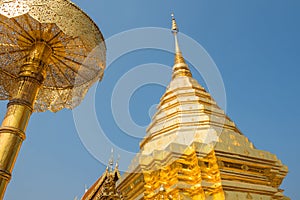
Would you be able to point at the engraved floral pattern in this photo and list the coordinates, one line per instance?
(78, 50)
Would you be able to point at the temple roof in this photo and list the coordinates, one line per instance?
(105, 186)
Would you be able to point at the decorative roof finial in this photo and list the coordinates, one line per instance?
(85, 188)
(182, 70)
(117, 161)
(111, 160)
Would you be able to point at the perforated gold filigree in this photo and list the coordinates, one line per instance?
(78, 50)
(13, 8)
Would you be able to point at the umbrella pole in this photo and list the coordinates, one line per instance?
(19, 110)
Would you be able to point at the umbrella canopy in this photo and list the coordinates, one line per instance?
(77, 57)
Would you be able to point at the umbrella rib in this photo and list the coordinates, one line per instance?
(40, 28)
(22, 28)
(47, 31)
(29, 24)
(14, 51)
(61, 71)
(8, 45)
(78, 63)
(66, 40)
(29, 44)
(15, 31)
(54, 82)
(22, 58)
(16, 61)
(7, 73)
(76, 72)
(75, 54)
(66, 47)
(54, 37)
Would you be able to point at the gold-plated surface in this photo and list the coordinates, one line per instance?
(180, 67)
(105, 187)
(193, 151)
(50, 54)
(19, 109)
(78, 50)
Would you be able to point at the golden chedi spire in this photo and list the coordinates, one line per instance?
(180, 68)
(193, 150)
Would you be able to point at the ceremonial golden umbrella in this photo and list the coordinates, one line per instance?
(51, 52)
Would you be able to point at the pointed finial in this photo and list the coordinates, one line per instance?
(85, 188)
(174, 24)
(117, 162)
(175, 30)
(111, 160)
(180, 66)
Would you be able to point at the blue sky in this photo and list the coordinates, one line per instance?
(255, 45)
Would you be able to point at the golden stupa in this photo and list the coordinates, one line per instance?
(193, 151)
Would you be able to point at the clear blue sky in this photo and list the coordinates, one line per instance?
(255, 45)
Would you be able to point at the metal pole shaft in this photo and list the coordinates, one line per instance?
(12, 132)
(19, 110)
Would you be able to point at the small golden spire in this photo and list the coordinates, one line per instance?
(178, 55)
(183, 69)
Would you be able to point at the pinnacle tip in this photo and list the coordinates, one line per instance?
(174, 25)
